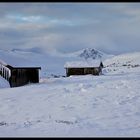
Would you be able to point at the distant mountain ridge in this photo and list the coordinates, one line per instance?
(33, 50)
(87, 53)
(50, 62)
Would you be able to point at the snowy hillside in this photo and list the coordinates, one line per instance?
(91, 106)
(125, 63)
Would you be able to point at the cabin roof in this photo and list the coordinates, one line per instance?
(2, 62)
(18, 63)
(10, 67)
(82, 64)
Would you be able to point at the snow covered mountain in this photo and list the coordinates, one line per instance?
(91, 53)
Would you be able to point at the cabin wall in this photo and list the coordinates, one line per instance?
(94, 71)
(20, 77)
(75, 71)
(83, 71)
(33, 75)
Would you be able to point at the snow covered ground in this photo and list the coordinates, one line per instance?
(76, 106)
(3, 83)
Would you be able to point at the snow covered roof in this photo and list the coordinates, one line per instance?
(17, 62)
(81, 64)
(2, 62)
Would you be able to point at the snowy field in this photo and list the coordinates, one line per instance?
(76, 106)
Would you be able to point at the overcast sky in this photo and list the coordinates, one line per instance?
(66, 27)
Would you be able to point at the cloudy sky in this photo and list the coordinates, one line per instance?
(66, 27)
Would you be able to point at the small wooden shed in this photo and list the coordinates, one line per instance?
(83, 68)
(23, 75)
(19, 75)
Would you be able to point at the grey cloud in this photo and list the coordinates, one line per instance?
(69, 27)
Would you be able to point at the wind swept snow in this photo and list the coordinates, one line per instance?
(73, 106)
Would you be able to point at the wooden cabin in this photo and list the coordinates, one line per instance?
(19, 76)
(83, 68)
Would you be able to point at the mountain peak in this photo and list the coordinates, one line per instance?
(91, 53)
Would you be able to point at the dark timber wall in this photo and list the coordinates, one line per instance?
(19, 76)
(22, 76)
(83, 71)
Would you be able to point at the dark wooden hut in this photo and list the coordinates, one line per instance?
(83, 68)
(19, 76)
